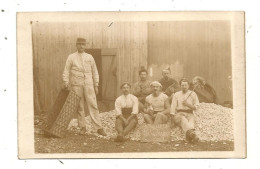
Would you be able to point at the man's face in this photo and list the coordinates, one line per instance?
(156, 89)
(195, 82)
(81, 47)
(125, 89)
(184, 86)
(143, 76)
(165, 74)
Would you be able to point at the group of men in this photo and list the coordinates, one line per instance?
(160, 102)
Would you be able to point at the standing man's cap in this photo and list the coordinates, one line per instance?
(81, 41)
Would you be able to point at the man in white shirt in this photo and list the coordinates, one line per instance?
(157, 106)
(183, 104)
(81, 75)
(126, 107)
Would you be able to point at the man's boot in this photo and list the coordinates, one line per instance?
(101, 132)
(192, 136)
(83, 130)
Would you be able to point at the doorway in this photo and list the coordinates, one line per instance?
(96, 53)
(107, 69)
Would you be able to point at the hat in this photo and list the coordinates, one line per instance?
(142, 69)
(155, 83)
(167, 69)
(81, 41)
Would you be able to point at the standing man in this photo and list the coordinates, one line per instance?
(142, 89)
(81, 75)
(183, 104)
(169, 85)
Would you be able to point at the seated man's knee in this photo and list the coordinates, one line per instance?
(183, 118)
(118, 121)
(147, 116)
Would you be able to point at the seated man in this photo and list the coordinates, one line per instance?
(142, 89)
(126, 107)
(183, 104)
(169, 85)
(157, 107)
(204, 91)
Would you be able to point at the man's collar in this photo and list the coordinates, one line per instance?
(186, 92)
(80, 53)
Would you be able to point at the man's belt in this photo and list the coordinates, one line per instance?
(185, 110)
(79, 70)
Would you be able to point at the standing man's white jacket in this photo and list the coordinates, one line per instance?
(80, 69)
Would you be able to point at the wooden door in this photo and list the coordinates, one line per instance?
(96, 53)
(109, 74)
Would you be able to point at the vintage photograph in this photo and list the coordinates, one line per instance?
(134, 85)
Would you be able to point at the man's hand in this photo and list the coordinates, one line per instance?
(96, 90)
(126, 122)
(65, 86)
(185, 103)
(172, 89)
(188, 105)
(151, 113)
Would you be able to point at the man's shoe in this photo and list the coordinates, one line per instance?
(193, 137)
(188, 136)
(119, 138)
(101, 132)
(83, 131)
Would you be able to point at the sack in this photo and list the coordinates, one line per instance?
(63, 110)
(156, 133)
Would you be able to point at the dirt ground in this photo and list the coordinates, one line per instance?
(74, 143)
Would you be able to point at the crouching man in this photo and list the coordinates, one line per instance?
(183, 104)
(126, 107)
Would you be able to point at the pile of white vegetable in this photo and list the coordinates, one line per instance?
(213, 123)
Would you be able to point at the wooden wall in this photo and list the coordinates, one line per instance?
(192, 48)
(53, 42)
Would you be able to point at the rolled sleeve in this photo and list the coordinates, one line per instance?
(135, 105)
(66, 72)
(118, 107)
(173, 105)
(196, 100)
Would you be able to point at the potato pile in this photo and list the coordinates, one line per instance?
(213, 123)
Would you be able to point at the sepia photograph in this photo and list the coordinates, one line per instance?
(131, 85)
